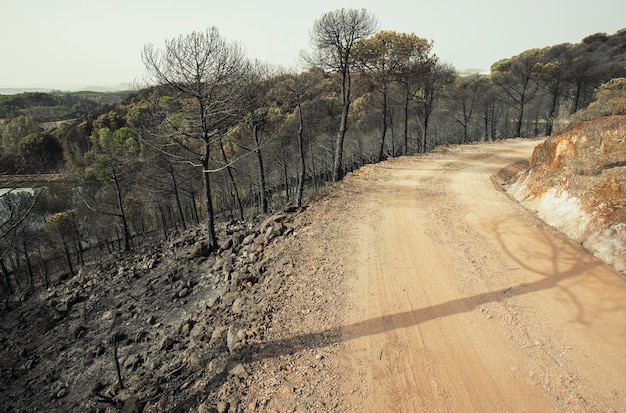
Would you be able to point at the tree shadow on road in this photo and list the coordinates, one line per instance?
(564, 270)
(405, 319)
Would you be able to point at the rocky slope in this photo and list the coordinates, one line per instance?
(168, 328)
(576, 182)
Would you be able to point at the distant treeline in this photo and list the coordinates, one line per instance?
(55, 106)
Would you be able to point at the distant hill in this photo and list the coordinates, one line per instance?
(66, 89)
(469, 72)
(53, 106)
(15, 91)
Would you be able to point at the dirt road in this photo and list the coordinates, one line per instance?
(450, 296)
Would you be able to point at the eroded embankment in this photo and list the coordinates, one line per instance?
(576, 182)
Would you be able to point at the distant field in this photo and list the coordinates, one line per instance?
(31, 180)
(15, 91)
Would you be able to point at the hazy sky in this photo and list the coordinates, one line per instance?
(69, 44)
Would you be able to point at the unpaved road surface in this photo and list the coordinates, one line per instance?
(420, 286)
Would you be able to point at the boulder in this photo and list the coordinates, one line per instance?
(200, 249)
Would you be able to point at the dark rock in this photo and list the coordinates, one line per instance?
(98, 387)
(62, 307)
(233, 342)
(133, 361)
(80, 331)
(61, 393)
(132, 405)
(200, 249)
(222, 407)
(167, 344)
(238, 370)
(141, 336)
(197, 333)
(238, 304)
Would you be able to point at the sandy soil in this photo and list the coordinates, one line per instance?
(419, 285)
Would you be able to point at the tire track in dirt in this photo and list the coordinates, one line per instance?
(457, 290)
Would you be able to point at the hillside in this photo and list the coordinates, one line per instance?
(412, 285)
(576, 181)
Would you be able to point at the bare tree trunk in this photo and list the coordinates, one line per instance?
(44, 268)
(210, 218)
(177, 197)
(343, 126)
(552, 115)
(393, 138)
(122, 215)
(68, 256)
(78, 247)
(313, 169)
(301, 173)
(15, 266)
(486, 125)
(285, 176)
(518, 126)
(425, 119)
(235, 191)
(163, 221)
(31, 274)
(406, 123)
(257, 151)
(6, 278)
(194, 207)
(383, 132)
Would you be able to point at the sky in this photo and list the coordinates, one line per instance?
(78, 44)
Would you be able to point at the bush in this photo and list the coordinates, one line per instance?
(610, 100)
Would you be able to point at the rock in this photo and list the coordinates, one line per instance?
(229, 298)
(167, 344)
(271, 220)
(149, 263)
(248, 240)
(200, 249)
(142, 336)
(219, 264)
(218, 365)
(218, 334)
(152, 320)
(211, 301)
(232, 341)
(61, 393)
(98, 387)
(291, 208)
(197, 333)
(197, 360)
(237, 306)
(62, 307)
(183, 292)
(133, 361)
(228, 244)
(222, 407)
(132, 405)
(239, 371)
(80, 331)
